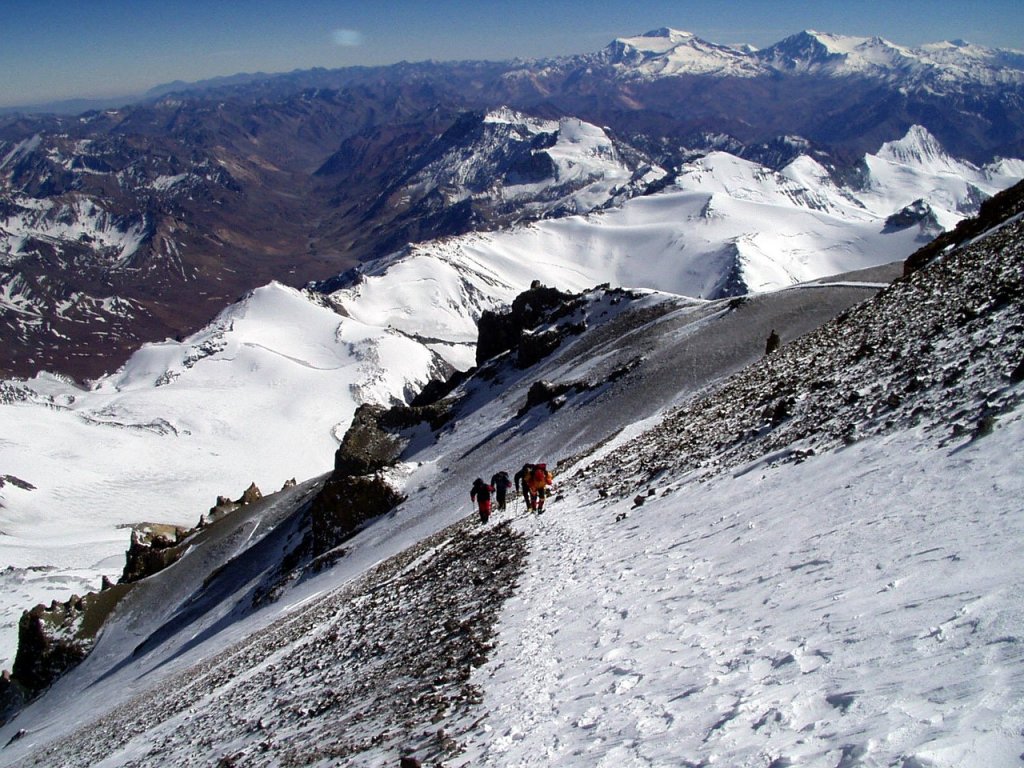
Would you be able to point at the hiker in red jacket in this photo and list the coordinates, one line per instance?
(481, 494)
(535, 479)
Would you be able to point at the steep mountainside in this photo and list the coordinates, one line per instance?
(765, 559)
(486, 171)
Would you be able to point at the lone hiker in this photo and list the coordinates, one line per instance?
(481, 494)
(535, 480)
(501, 484)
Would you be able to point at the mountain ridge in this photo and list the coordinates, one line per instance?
(180, 412)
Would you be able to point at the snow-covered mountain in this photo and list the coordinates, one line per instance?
(488, 170)
(266, 391)
(800, 557)
(135, 224)
(526, 167)
(671, 53)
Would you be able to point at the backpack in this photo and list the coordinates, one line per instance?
(540, 473)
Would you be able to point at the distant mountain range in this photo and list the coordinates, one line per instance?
(140, 223)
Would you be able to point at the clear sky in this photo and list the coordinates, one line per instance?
(59, 49)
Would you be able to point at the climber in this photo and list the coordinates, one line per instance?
(520, 477)
(535, 479)
(501, 484)
(481, 494)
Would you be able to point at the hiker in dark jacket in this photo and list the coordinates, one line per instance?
(481, 494)
(501, 484)
(520, 477)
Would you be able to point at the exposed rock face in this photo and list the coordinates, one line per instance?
(345, 503)
(52, 640)
(356, 491)
(153, 547)
(366, 448)
(502, 331)
(251, 495)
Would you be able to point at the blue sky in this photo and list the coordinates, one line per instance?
(57, 49)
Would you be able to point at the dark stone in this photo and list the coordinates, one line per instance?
(502, 331)
(1017, 376)
(250, 495)
(534, 347)
(345, 504)
(543, 392)
(152, 548)
(366, 447)
(437, 389)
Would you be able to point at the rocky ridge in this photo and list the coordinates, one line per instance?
(54, 639)
(378, 670)
(941, 349)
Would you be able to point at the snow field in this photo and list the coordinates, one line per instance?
(861, 608)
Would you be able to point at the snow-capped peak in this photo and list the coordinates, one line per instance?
(920, 148)
(662, 38)
(508, 116)
(665, 51)
(812, 51)
(668, 52)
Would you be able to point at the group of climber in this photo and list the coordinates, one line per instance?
(534, 479)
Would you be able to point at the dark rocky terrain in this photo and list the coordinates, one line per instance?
(378, 670)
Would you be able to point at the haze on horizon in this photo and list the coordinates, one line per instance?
(65, 50)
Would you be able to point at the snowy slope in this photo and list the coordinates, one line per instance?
(264, 394)
(848, 598)
(862, 608)
(679, 345)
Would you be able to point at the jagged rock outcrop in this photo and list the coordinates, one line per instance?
(250, 495)
(52, 640)
(366, 447)
(504, 330)
(345, 504)
(357, 490)
(153, 547)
